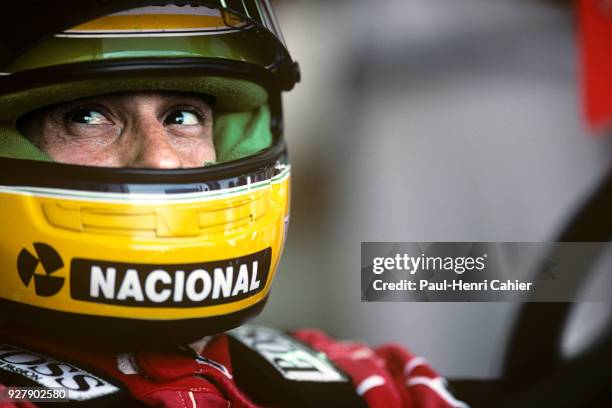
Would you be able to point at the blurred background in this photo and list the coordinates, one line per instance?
(426, 120)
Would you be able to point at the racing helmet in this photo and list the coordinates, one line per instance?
(156, 254)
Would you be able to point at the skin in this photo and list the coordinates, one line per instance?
(161, 130)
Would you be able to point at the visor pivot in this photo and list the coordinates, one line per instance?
(297, 72)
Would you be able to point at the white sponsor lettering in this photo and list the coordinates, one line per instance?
(158, 275)
(130, 287)
(223, 282)
(160, 285)
(191, 285)
(254, 280)
(242, 284)
(48, 372)
(101, 281)
(179, 285)
(291, 358)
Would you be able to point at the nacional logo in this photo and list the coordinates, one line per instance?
(45, 284)
(169, 285)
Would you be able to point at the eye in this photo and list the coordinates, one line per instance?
(88, 117)
(183, 118)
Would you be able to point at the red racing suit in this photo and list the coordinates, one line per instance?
(246, 367)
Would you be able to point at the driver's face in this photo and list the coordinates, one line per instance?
(131, 129)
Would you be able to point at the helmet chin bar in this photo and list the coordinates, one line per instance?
(164, 255)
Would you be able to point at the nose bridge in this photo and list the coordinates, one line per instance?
(153, 147)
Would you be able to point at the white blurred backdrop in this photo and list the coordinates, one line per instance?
(426, 120)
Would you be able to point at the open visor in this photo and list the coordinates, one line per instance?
(85, 31)
(230, 51)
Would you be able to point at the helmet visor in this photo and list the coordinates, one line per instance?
(244, 31)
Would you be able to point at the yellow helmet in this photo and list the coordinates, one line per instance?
(159, 254)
